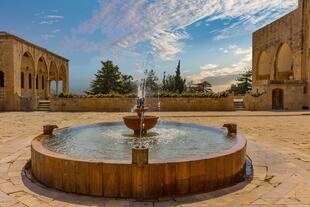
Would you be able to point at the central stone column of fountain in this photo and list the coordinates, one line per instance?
(140, 123)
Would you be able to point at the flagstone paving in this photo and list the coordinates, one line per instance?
(278, 145)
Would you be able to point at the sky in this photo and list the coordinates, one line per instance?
(212, 38)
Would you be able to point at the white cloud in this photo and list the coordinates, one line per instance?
(208, 66)
(55, 31)
(235, 68)
(236, 50)
(50, 35)
(250, 15)
(162, 23)
(47, 36)
(51, 19)
(224, 50)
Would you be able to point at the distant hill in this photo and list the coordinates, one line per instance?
(221, 83)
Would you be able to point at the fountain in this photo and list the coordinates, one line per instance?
(155, 160)
(140, 123)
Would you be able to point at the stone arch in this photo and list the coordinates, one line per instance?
(264, 66)
(27, 74)
(41, 78)
(284, 63)
(53, 76)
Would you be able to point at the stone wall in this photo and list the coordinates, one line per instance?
(126, 104)
(286, 30)
(281, 53)
(294, 96)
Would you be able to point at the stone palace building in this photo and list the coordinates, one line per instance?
(281, 61)
(27, 72)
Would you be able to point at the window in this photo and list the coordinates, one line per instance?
(22, 80)
(37, 82)
(42, 82)
(30, 81)
(1, 79)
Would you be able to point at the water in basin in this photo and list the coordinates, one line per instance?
(113, 141)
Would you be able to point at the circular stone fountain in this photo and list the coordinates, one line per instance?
(107, 159)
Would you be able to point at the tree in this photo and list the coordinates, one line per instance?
(151, 80)
(164, 81)
(109, 79)
(244, 83)
(206, 86)
(127, 84)
(170, 83)
(178, 81)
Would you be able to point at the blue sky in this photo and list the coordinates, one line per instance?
(212, 38)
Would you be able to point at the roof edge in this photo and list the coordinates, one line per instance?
(9, 35)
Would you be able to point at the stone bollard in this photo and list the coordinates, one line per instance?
(232, 129)
(140, 156)
(48, 129)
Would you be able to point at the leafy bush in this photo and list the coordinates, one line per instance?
(67, 95)
(210, 94)
(162, 94)
(257, 94)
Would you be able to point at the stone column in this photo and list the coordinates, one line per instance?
(48, 87)
(56, 87)
(140, 156)
(67, 80)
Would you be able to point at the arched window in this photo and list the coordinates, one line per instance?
(37, 82)
(284, 63)
(1, 79)
(30, 81)
(264, 66)
(42, 82)
(22, 80)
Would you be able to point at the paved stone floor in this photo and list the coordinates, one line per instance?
(278, 144)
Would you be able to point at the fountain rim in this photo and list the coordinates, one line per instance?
(37, 145)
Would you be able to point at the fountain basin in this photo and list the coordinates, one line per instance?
(97, 175)
(134, 123)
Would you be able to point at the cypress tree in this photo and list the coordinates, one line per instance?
(178, 81)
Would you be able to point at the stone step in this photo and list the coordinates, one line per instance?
(43, 105)
(239, 106)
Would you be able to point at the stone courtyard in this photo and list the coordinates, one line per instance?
(278, 145)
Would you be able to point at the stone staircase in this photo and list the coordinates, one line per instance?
(239, 105)
(44, 105)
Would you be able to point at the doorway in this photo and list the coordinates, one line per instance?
(277, 99)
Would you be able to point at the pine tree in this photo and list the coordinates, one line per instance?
(244, 83)
(108, 79)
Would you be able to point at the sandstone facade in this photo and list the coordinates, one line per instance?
(27, 72)
(281, 62)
